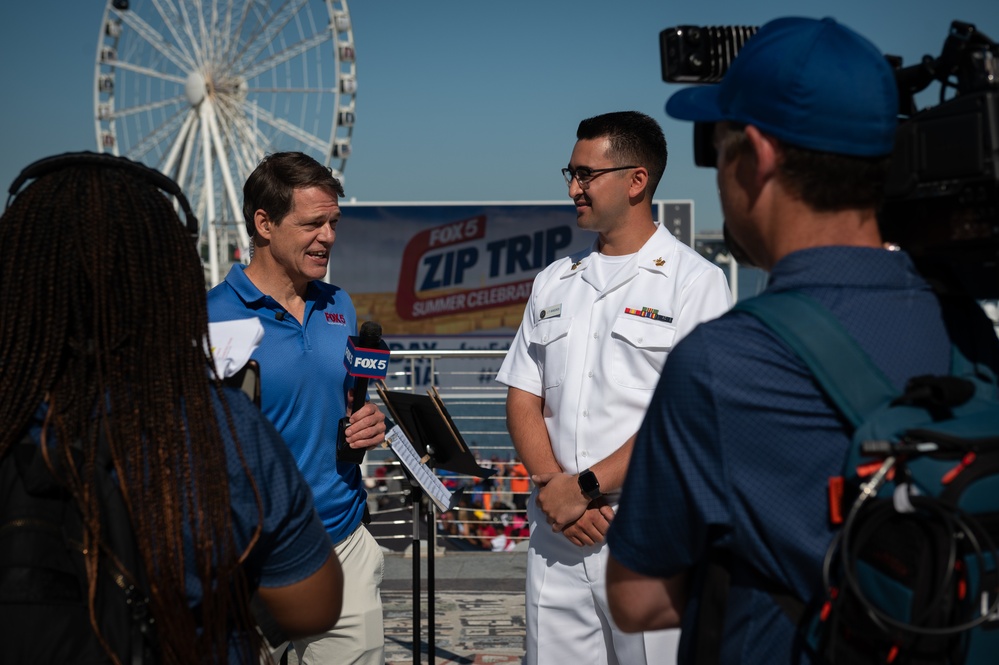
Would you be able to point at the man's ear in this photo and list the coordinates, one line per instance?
(765, 152)
(639, 182)
(262, 222)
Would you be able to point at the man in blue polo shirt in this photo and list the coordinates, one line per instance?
(291, 211)
(738, 443)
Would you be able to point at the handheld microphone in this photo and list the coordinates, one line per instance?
(365, 357)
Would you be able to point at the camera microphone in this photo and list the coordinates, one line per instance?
(700, 54)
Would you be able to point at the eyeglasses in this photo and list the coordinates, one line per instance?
(584, 175)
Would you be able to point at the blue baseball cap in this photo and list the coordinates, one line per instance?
(812, 83)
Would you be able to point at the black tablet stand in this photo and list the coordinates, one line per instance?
(425, 438)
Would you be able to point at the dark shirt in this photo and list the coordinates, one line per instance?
(292, 543)
(739, 442)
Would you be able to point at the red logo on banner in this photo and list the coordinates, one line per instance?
(445, 274)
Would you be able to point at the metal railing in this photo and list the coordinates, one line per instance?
(490, 515)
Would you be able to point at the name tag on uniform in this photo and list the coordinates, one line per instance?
(551, 311)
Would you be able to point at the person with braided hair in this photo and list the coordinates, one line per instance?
(103, 326)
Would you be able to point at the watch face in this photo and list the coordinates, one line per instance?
(588, 483)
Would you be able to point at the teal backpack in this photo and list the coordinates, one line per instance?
(911, 576)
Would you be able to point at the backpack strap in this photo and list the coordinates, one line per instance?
(830, 352)
(835, 361)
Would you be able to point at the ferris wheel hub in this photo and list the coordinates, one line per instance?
(195, 88)
(233, 87)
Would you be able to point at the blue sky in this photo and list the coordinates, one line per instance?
(462, 100)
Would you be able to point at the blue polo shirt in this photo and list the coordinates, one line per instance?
(738, 443)
(304, 385)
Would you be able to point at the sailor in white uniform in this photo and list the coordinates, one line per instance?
(581, 372)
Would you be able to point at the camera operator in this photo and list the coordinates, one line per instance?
(739, 440)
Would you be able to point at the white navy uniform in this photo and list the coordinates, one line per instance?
(595, 335)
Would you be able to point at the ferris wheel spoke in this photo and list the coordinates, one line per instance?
(222, 155)
(284, 56)
(245, 138)
(292, 130)
(171, 19)
(231, 38)
(212, 213)
(124, 112)
(206, 30)
(292, 90)
(250, 138)
(225, 33)
(195, 28)
(273, 26)
(147, 71)
(195, 40)
(170, 162)
(158, 135)
(210, 31)
(154, 39)
(238, 131)
(185, 178)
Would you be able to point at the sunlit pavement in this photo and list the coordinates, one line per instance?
(478, 608)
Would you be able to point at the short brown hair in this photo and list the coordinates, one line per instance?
(829, 181)
(271, 187)
(825, 181)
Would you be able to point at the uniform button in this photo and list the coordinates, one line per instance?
(596, 335)
(590, 374)
(584, 454)
(641, 339)
(586, 414)
(545, 338)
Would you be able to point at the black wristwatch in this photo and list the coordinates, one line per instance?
(588, 484)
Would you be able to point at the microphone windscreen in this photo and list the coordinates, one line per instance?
(370, 335)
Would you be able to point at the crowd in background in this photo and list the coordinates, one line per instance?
(491, 513)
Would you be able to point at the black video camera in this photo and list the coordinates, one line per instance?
(942, 195)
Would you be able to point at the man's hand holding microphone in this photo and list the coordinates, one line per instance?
(365, 357)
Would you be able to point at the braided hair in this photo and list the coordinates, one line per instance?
(103, 320)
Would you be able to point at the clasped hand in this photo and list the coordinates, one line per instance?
(567, 510)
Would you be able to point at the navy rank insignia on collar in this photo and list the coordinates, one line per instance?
(576, 264)
(660, 262)
(648, 313)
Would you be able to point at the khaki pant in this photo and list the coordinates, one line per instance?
(359, 636)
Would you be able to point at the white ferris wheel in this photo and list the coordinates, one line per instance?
(202, 89)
